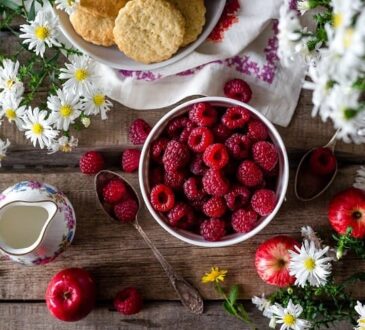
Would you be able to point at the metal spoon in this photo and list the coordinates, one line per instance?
(189, 296)
(303, 177)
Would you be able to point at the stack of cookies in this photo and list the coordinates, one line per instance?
(147, 31)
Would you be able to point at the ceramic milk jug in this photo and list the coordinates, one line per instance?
(37, 223)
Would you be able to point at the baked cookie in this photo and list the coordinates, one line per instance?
(105, 8)
(149, 31)
(194, 13)
(95, 29)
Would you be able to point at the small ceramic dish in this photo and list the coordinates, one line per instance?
(114, 58)
(189, 237)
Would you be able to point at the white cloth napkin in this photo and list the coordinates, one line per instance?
(248, 51)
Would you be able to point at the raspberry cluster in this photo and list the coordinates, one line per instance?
(213, 171)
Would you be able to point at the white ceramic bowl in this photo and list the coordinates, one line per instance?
(114, 58)
(190, 237)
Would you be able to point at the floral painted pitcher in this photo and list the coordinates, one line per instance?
(37, 223)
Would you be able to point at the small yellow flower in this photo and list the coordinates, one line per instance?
(215, 275)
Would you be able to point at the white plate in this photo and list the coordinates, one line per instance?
(114, 58)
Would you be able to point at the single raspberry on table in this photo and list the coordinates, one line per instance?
(158, 148)
(215, 207)
(200, 139)
(176, 156)
(263, 201)
(322, 161)
(237, 198)
(203, 114)
(215, 183)
(213, 229)
(193, 188)
(114, 191)
(243, 220)
(174, 179)
(221, 132)
(239, 146)
(162, 198)
(238, 89)
(128, 301)
(181, 216)
(265, 154)
(130, 160)
(126, 211)
(197, 165)
(156, 176)
(216, 156)
(91, 162)
(249, 174)
(257, 130)
(138, 131)
(176, 126)
(236, 117)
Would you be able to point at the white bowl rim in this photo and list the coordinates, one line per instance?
(243, 237)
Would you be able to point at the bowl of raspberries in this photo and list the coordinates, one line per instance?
(213, 172)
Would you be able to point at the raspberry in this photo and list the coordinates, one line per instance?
(114, 191)
(244, 221)
(322, 161)
(174, 179)
(175, 156)
(236, 117)
(197, 204)
(238, 89)
(213, 229)
(91, 162)
(181, 216)
(265, 154)
(200, 139)
(193, 188)
(130, 160)
(263, 201)
(214, 207)
(126, 211)
(239, 146)
(176, 126)
(184, 136)
(215, 183)
(237, 198)
(221, 132)
(257, 130)
(139, 131)
(197, 166)
(249, 174)
(157, 149)
(128, 301)
(156, 176)
(162, 198)
(203, 114)
(216, 156)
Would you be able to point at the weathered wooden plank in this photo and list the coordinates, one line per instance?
(155, 315)
(117, 256)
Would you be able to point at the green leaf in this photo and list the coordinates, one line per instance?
(31, 13)
(229, 308)
(233, 294)
(9, 4)
(243, 312)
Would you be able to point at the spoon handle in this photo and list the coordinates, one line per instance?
(189, 296)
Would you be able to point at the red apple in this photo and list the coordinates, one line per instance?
(347, 209)
(272, 260)
(70, 294)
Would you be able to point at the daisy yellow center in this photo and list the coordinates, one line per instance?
(70, 2)
(66, 110)
(37, 129)
(10, 83)
(81, 74)
(99, 99)
(347, 39)
(289, 320)
(66, 148)
(309, 264)
(362, 321)
(41, 32)
(10, 114)
(337, 20)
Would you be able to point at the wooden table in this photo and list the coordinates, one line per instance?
(118, 257)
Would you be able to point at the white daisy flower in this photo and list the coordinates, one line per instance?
(309, 264)
(63, 144)
(303, 6)
(65, 109)
(289, 317)
(38, 128)
(95, 102)
(80, 74)
(66, 5)
(3, 149)
(41, 32)
(9, 81)
(360, 309)
(263, 305)
(13, 111)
